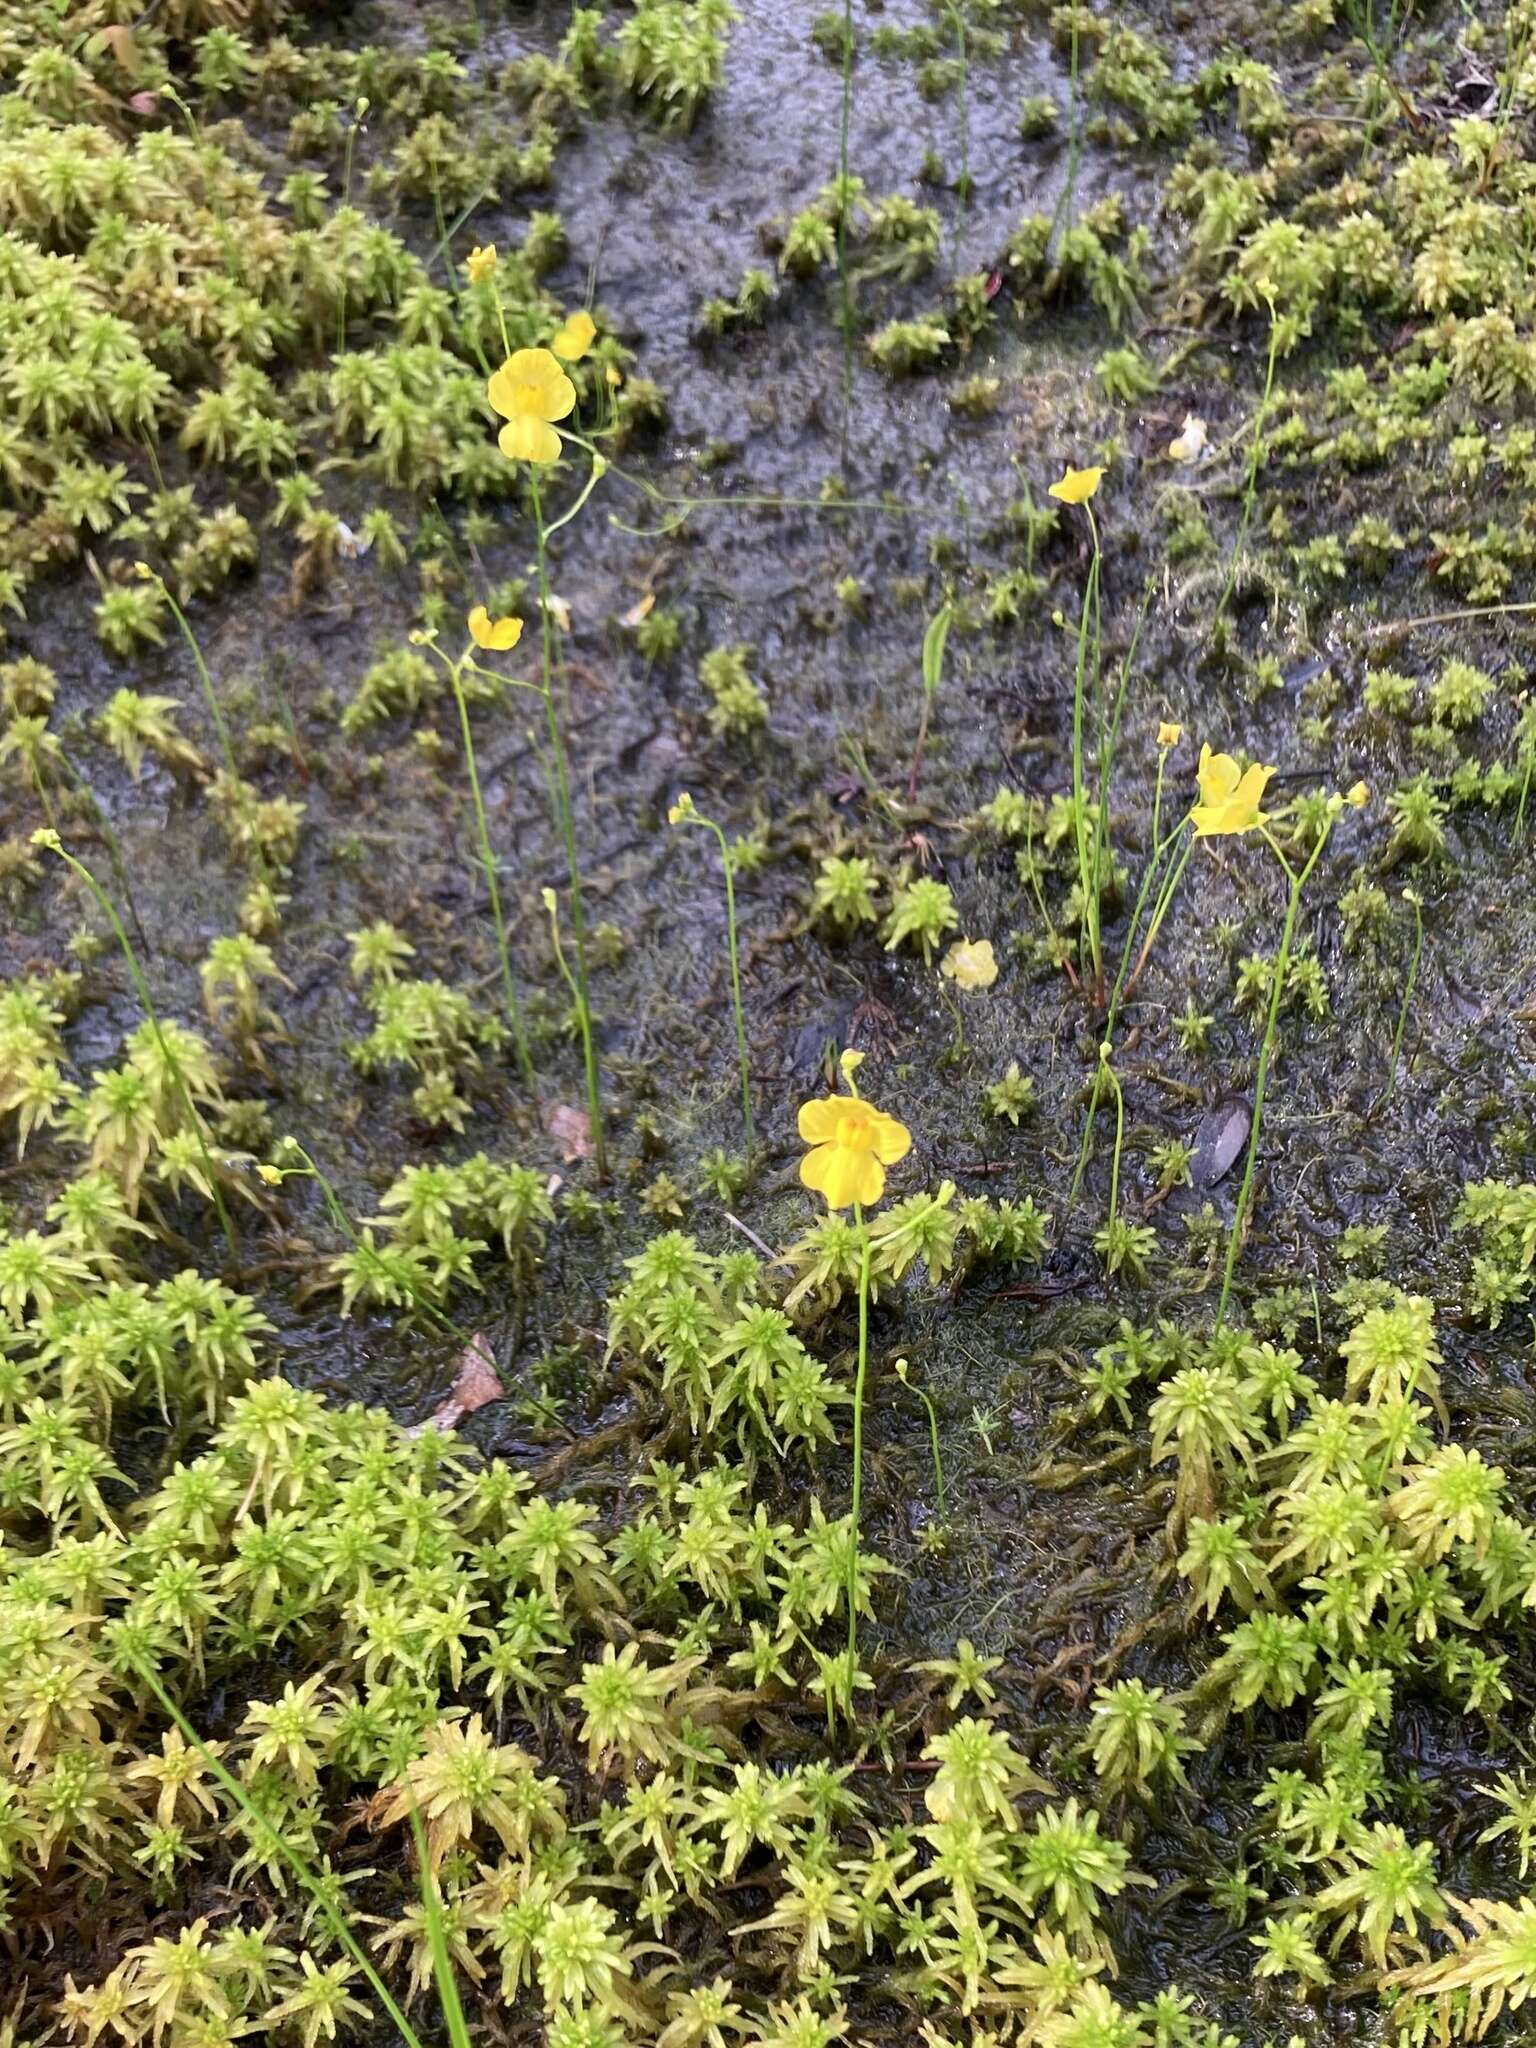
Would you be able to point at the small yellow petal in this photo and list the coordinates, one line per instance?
(574, 338)
(817, 1121)
(529, 440)
(499, 634)
(893, 1140)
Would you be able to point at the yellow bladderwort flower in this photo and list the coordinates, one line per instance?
(531, 391)
(497, 634)
(571, 341)
(682, 810)
(1169, 734)
(1229, 796)
(852, 1144)
(1076, 487)
(1189, 446)
(481, 262)
(1359, 796)
(970, 963)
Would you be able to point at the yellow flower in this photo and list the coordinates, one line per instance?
(46, 837)
(1359, 796)
(575, 337)
(271, 1175)
(529, 391)
(682, 810)
(1229, 796)
(499, 634)
(970, 963)
(1190, 445)
(1168, 734)
(1077, 486)
(481, 262)
(853, 1143)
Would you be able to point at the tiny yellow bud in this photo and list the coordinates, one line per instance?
(547, 897)
(481, 262)
(1168, 734)
(1359, 796)
(901, 1370)
(271, 1176)
(45, 836)
(681, 810)
(144, 572)
(850, 1062)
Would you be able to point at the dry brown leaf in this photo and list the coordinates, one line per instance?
(641, 609)
(571, 1129)
(475, 1383)
(121, 42)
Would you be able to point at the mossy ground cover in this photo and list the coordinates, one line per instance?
(487, 1546)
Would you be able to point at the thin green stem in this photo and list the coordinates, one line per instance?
(437, 1935)
(210, 695)
(1261, 1081)
(1412, 898)
(1075, 141)
(747, 501)
(1090, 905)
(935, 639)
(845, 289)
(1109, 734)
(568, 831)
(1112, 1013)
(1114, 1172)
(275, 1841)
(292, 1148)
(1255, 456)
(171, 1063)
(963, 189)
(488, 865)
(933, 1443)
(856, 1506)
(685, 812)
(1164, 904)
(109, 839)
(1058, 943)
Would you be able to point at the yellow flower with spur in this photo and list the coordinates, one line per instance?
(574, 337)
(531, 392)
(1229, 796)
(852, 1144)
(1076, 487)
(496, 634)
